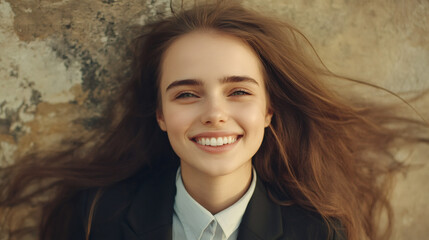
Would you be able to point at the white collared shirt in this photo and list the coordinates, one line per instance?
(191, 221)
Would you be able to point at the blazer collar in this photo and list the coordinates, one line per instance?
(262, 219)
(150, 215)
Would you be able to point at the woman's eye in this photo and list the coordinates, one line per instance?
(186, 95)
(239, 93)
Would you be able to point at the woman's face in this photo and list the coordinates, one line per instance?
(214, 103)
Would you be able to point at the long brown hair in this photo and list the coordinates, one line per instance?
(328, 154)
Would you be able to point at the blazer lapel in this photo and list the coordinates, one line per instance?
(151, 211)
(262, 218)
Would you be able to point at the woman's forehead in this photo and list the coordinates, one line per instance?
(209, 55)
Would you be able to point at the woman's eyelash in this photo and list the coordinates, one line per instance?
(239, 93)
(186, 95)
(190, 95)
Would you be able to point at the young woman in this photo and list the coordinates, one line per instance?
(226, 131)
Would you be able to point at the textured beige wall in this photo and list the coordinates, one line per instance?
(61, 59)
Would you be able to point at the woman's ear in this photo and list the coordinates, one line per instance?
(268, 117)
(160, 120)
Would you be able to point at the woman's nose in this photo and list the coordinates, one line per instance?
(214, 113)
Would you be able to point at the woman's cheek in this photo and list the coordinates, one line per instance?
(179, 117)
(251, 114)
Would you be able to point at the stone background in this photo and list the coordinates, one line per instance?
(60, 60)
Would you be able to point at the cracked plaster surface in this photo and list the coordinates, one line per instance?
(60, 60)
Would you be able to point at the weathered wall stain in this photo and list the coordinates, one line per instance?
(62, 52)
(61, 61)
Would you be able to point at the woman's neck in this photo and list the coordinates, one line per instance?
(219, 192)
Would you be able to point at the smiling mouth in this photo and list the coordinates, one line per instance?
(216, 141)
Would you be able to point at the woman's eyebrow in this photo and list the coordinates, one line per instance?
(233, 79)
(197, 82)
(184, 82)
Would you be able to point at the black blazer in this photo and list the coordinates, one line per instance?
(141, 208)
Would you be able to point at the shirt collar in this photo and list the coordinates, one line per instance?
(230, 218)
(195, 218)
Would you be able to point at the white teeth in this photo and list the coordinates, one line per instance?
(219, 141)
(214, 142)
